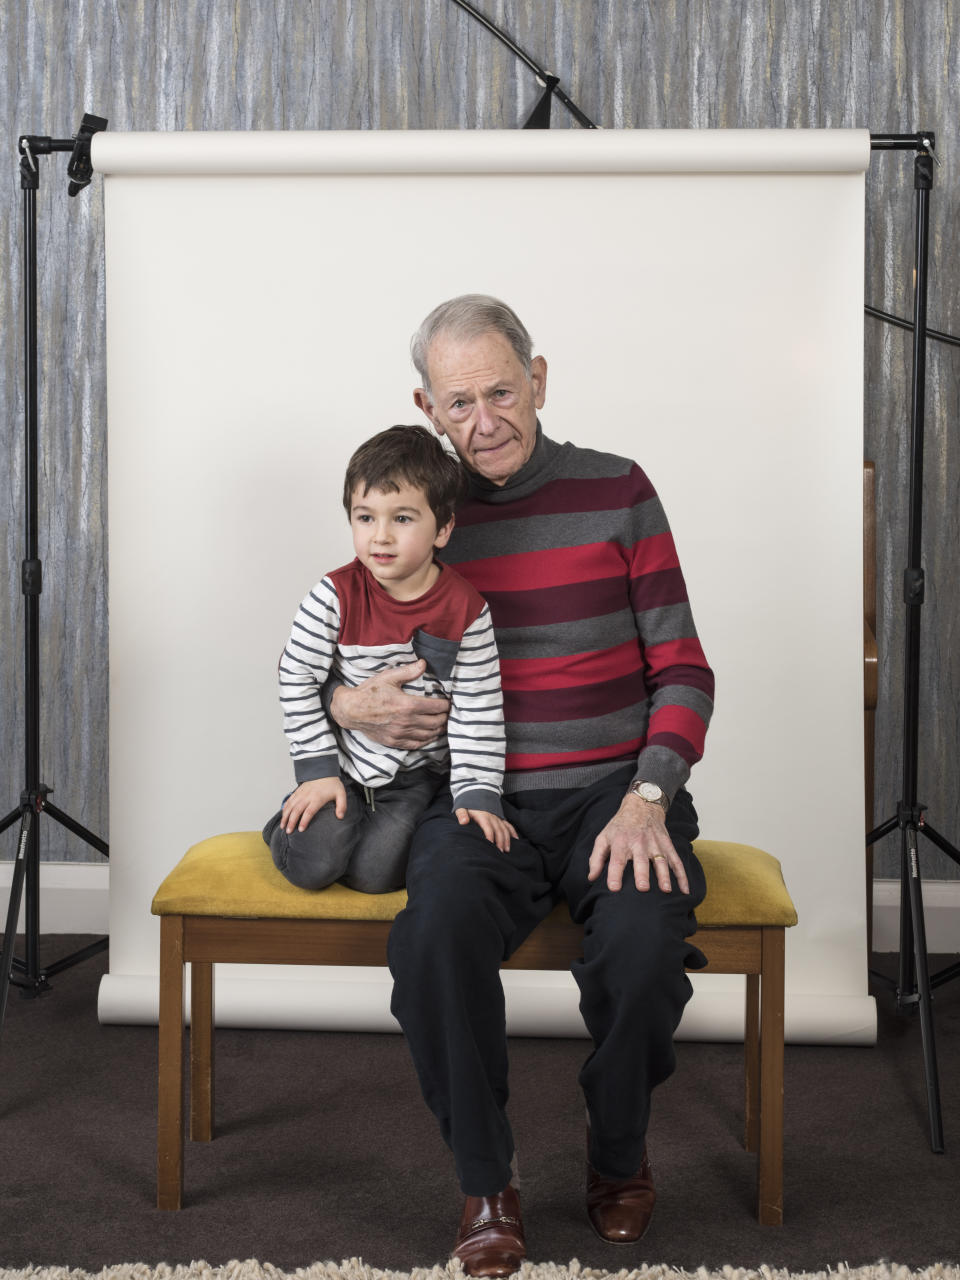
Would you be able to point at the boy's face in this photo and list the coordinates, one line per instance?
(395, 535)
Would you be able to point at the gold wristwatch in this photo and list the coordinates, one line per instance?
(650, 792)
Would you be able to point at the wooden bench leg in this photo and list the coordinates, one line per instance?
(170, 1074)
(751, 1064)
(201, 1050)
(770, 1160)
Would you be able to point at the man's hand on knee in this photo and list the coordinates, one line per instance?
(305, 803)
(380, 709)
(637, 833)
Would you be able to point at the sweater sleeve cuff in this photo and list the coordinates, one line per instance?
(307, 768)
(479, 798)
(664, 767)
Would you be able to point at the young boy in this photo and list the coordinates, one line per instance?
(356, 805)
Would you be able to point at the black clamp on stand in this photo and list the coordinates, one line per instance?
(539, 117)
(915, 983)
(34, 801)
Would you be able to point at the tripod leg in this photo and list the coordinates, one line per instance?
(13, 911)
(923, 994)
(907, 979)
(10, 819)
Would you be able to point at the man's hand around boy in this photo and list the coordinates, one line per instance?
(305, 803)
(379, 708)
(497, 830)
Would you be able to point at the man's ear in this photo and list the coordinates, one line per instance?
(421, 399)
(538, 376)
(443, 535)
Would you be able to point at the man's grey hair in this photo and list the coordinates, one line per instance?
(466, 318)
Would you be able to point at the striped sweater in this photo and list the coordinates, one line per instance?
(350, 627)
(599, 656)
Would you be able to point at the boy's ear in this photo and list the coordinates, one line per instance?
(423, 402)
(443, 535)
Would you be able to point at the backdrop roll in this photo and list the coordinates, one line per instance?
(699, 298)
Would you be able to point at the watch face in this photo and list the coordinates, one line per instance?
(649, 791)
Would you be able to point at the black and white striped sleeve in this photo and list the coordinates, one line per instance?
(475, 728)
(304, 667)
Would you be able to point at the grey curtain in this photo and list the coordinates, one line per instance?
(886, 65)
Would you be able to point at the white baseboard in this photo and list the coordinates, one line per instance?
(941, 915)
(74, 897)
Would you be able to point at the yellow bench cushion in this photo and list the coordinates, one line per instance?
(744, 886)
(234, 875)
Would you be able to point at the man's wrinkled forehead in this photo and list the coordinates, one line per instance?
(459, 364)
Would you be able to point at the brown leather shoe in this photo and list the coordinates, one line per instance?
(490, 1239)
(620, 1209)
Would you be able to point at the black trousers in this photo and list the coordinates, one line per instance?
(470, 907)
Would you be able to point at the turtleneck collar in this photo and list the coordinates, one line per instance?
(534, 473)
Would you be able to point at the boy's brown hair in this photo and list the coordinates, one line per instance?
(411, 455)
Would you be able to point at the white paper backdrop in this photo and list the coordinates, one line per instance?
(698, 296)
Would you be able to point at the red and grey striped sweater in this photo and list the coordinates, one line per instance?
(599, 656)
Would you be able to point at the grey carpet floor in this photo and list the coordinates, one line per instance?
(325, 1151)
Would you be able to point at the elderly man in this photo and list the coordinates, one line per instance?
(607, 696)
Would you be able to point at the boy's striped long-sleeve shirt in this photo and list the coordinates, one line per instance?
(599, 657)
(350, 627)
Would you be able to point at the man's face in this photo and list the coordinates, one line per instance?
(481, 397)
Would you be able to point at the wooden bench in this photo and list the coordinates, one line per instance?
(226, 902)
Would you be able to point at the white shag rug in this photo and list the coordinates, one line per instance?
(357, 1269)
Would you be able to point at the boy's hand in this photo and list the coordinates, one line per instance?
(497, 830)
(309, 798)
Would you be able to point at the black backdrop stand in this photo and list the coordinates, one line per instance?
(539, 117)
(915, 983)
(34, 801)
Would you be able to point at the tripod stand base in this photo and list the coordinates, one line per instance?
(27, 975)
(30, 988)
(915, 983)
(908, 1004)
